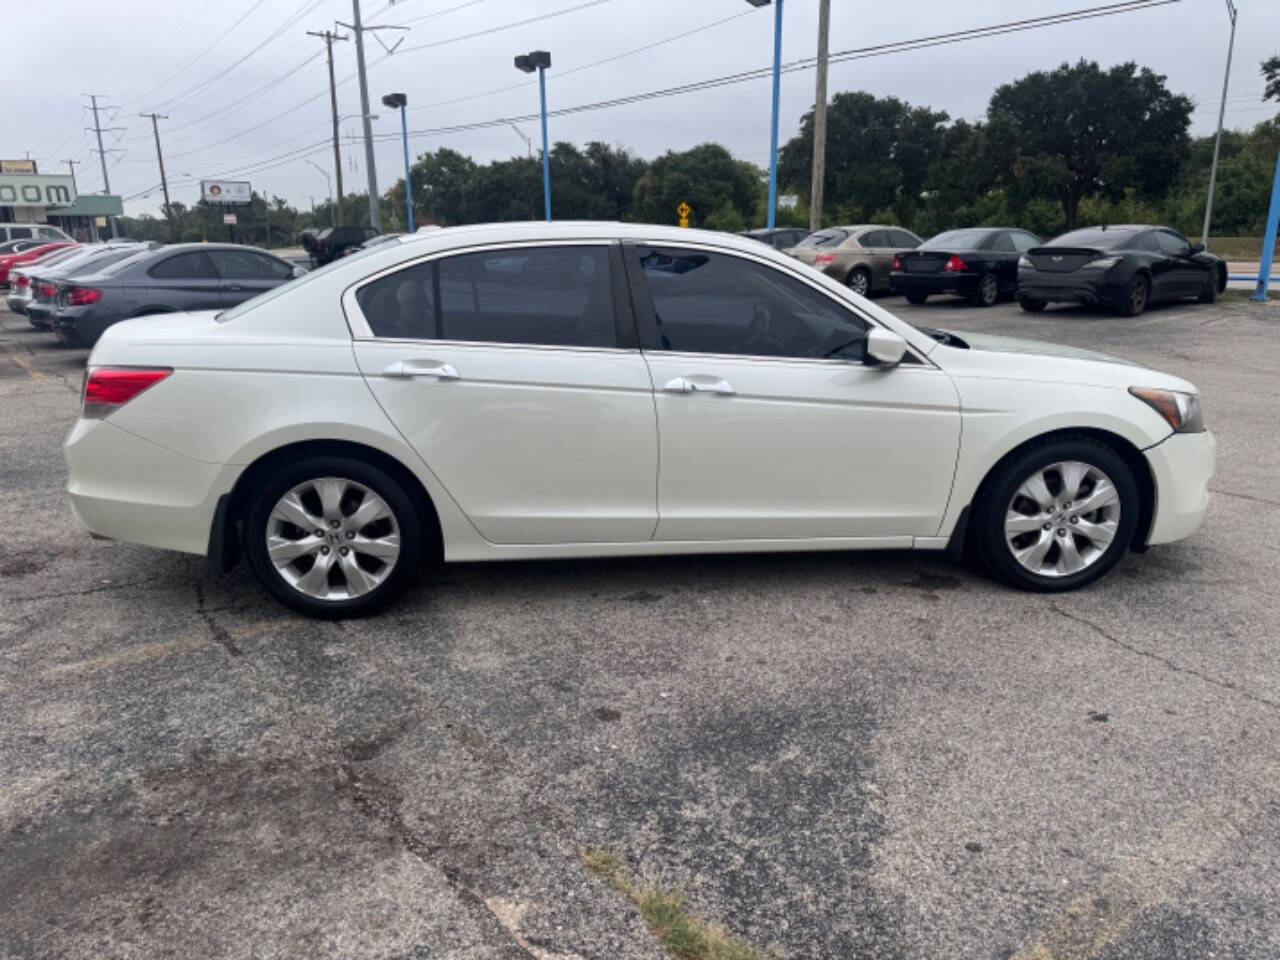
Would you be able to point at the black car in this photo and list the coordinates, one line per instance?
(781, 238)
(171, 279)
(333, 242)
(980, 263)
(1124, 267)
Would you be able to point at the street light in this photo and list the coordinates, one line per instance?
(539, 60)
(773, 129)
(333, 209)
(1213, 169)
(394, 100)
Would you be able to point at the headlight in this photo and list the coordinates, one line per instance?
(1181, 410)
(1025, 261)
(1103, 263)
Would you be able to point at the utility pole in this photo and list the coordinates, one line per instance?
(1217, 143)
(375, 216)
(71, 165)
(329, 37)
(820, 118)
(164, 183)
(97, 128)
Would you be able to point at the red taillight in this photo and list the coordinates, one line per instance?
(897, 263)
(955, 265)
(823, 259)
(106, 388)
(45, 289)
(80, 296)
(22, 282)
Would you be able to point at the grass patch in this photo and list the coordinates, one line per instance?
(1245, 296)
(1237, 248)
(683, 935)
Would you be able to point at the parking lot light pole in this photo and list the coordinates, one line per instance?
(539, 60)
(400, 101)
(777, 85)
(1222, 108)
(333, 210)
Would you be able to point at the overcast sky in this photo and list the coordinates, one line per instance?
(246, 90)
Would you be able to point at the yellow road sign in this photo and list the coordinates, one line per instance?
(684, 210)
(684, 221)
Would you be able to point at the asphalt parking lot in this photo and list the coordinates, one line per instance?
(864, 755)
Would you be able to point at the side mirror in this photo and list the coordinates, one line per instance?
(1197, 248)
(299, 271)
(884, 348)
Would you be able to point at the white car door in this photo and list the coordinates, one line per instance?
(770, 426)
(514, 373)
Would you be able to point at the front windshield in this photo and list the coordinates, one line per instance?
(958, 239)
(243, 308)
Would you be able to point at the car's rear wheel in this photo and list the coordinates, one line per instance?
(1031, 304)
(859, 281)
(1136, 295)
(1210, 292)
(333, 537)
(916, 297)
(988, 291)
(1056, 516)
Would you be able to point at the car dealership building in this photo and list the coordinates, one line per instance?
(52, 198)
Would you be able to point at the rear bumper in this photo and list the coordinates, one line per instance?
(40, 315)
(81, 326)
(960, 283)
(127, 488)
(18, 304)
(1182, 466)
(1069, 288)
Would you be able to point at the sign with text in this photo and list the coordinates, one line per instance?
(29, 190)
(225, 191)
(18, 166)
(229, 219)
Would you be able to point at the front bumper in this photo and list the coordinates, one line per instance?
(127, 488)
(1182, 466)
(1077, 287)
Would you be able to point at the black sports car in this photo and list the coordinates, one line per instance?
(1124, 267)
(980, 263)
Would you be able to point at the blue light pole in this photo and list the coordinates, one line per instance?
(777, 83)
(539, 60)
(394, 100)
(1269, 239)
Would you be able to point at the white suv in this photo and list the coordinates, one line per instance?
(597, 389)
(30, 231)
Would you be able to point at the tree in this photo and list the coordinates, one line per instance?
(879, 153)
(708, 178)
(1078, 131)
(1271, 74)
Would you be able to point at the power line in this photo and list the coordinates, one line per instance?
(506, 26)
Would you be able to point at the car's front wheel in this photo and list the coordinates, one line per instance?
(333, 537)
(1057, 515)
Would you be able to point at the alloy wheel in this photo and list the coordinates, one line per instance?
(333, 539)
(989, 291)
(1062, 518)
(1137, 296)
(859, 282)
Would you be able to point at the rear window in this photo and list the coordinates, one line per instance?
(824, 238)
(960, 239)
(1093, 237)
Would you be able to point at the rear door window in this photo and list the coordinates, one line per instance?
(247, 265)
(1001, 242)
(875, 238)
(20, 233)
(902, 238)
(550, 296)
(184, 266)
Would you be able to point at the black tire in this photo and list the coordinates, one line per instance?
(406, 517)
(1210, 292)
(1031, 304)
(1137, 295)
(859, 281)
(988, 291)
(916, 297)
(997, 492)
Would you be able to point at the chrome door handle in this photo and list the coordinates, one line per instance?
(719, 387)
(405, 369)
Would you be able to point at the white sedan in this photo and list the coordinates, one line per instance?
(596, 389)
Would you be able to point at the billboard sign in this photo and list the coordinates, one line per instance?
(18, 166)
(28, 190)
(229, 219)
(226, 191)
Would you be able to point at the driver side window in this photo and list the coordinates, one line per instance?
(707, 302)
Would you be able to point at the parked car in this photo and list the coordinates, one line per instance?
(31, 231)
(980, 263)
(176, 278)
(10, 260)
(17, 246)
(1124, 267)
(861, 257)
(599, 389)
(331, 242)
(44, 277)
(308, 240)
(20, 289)
(782, 238)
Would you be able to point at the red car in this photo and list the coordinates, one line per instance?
(10, 260)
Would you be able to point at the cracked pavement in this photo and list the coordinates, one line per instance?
(862, 755)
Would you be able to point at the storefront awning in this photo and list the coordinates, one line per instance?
(90, 205)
